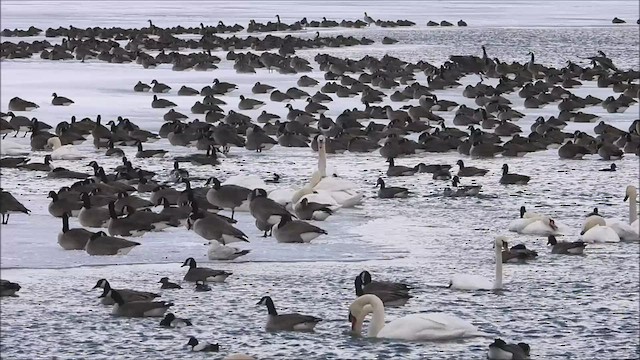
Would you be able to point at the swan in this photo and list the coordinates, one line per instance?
(630, 231)
(219, 251)
(414, 327)
(531, 223)
(66, 152)
(595, 230)
(631, 195)
(476, 282)
(329, 189)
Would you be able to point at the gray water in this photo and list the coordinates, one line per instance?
(582, 307)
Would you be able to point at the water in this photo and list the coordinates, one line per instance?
(564, 307)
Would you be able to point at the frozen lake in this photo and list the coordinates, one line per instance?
(564, 307)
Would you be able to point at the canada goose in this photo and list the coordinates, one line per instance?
(203, 347)
(391, 192)
(202, 273)
(101, 244)
(13, 162)
(259, 88)
(60, 100)
(565, 247)
(125, 226)
(8, 288)
(18, 104)
(214, 227)
(202, 286)
(517, 253)
(295, 231)
(159, 87)
(10, 205)
(249, 104)
(141, 87)
(72, 239)
(468, 190)
(399, 170)
(113, 151)
(513, 179)
(608, 151)
(306, 81)
(138, 308)
(126, 294)
(149, 153)
(572, 151)
(265, 209)
(170, 320)
(187, 91)
(287, 322)
(611, 168)
(178, 174)
(306, 210)
(166, 284)
(158, 103)
(500, 350)
(465, 171)
(124, 199)
(391, 294)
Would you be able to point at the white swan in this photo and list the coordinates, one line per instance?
(531, 223)
(476, 282)
(218, 251)
(66, 152)
(414, 327)
(600, 234)
(328, 189)
(628, 231)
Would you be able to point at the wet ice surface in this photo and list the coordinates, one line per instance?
(564, 307)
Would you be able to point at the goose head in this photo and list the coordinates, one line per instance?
(380, 183)
(103, 284)
(551, 240)
(190, 262)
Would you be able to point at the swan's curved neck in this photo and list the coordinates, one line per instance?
(377, 319)
(633, 211)
(498, 282)
(370, 304)
(322, 160)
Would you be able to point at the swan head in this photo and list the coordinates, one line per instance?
(359, 309)
(500, 241)
(631, 192)
(54, 142)
(321, 142)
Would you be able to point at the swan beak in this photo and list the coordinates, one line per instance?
(552, 224)
(353, 321)
(626, 197)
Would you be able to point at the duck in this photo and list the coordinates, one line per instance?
(8, 288)
(63, 152)
(101, 244)
(10, 205)
(391, 192)
(500, 350)
(170, 320)
(219, 251)
(566, 247)
(413, 327)
(611, 168)
(137, 308)
(72, 239)
(475, 282)
(202, 346)
(296, 231)
(287, 322)
(166, 284)
(512, 179)
(126, 294)
(196, 273)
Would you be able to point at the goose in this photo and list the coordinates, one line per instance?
(170, 320)
(249, 104)
(512, 179)
(138, 308)
(141, 87)
(399, 170)
(214, 227)
(565, 247)
(60, 100)
(202, 286)
(126, 294)
(158, 103)
(113, 151)
(517, 253)
(500, 350)
(259, 88)
(62, 173)
(72, 239)
(391, 192)
(178, 174)
(475, 282)
(125, 226)
(219, 251)
(10, 205)
(202, 273)
(124, 199)
(13, 162)
(63, 152)
(264, 209)
(159, 87)
(414, 327)
(8, 288)
(44, 166)
(467, 190)
(467, 171)
(202, 347)
(306, 210)
(101, 244)
(227, 196)
(295, 231)
(287, 322)
(391, 294)
(166, 284)
(143, 154)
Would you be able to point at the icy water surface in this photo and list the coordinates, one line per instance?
(582, 307)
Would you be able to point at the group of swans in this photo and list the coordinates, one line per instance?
(535, 224)
(596, 229)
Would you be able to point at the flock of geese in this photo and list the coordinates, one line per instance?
(114, 206)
